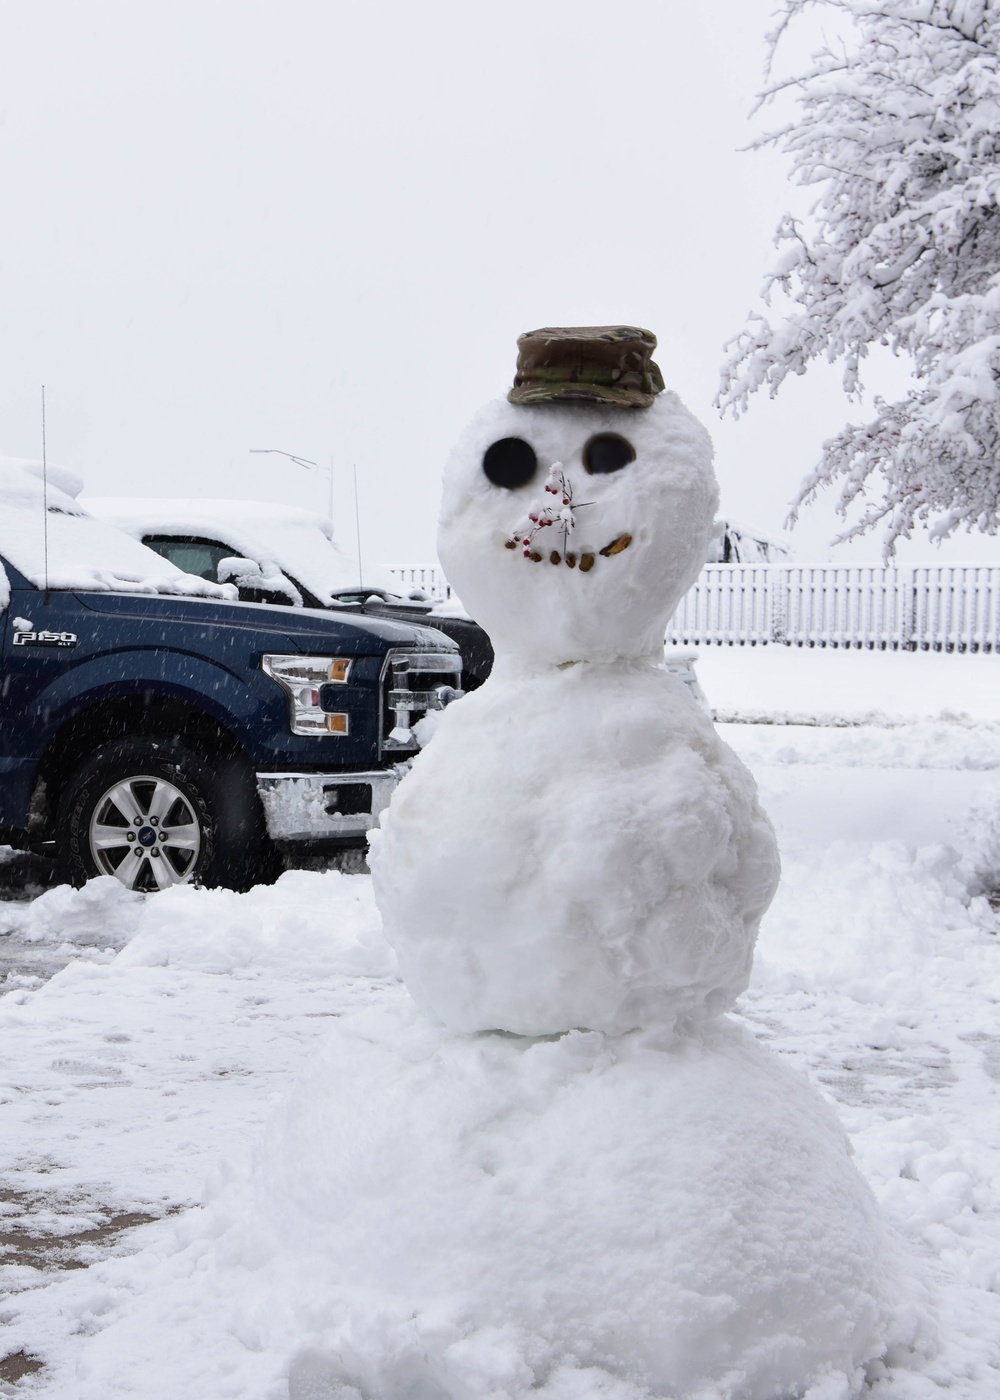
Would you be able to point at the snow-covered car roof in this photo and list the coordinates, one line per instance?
(57, 543)
(282, 539)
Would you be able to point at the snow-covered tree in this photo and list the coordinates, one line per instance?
(898, 127)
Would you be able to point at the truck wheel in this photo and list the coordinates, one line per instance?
(153, 814)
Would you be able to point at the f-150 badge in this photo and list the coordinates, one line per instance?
(45, 639)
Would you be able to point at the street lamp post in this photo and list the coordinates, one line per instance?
(300, 462)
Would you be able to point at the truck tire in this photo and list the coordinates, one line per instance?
(154, 814)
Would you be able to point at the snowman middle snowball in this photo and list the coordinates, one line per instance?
(577, 848)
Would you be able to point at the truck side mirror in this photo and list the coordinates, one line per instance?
(245, 573)
(254, 585)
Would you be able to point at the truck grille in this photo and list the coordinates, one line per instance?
(414, 682)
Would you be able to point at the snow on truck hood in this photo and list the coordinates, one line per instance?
(83, 553)
(297, 543)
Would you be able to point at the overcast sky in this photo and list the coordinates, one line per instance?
(321, 227)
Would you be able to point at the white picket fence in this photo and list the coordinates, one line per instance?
(907, 607)
(429, 580)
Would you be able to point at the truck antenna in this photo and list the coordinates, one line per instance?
(45, 503)
(357, 529)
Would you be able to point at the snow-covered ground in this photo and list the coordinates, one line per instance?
(137, 1084)
(832, 686)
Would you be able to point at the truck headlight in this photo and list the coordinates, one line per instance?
(301, 678)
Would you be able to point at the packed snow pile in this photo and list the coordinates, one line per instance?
(280, 929)
(55, 542)
(586, 1215)
(101, 914)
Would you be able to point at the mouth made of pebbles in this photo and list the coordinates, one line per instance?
(584, 559)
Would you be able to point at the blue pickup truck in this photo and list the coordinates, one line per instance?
(161, 737)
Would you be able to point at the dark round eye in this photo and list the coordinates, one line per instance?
(607, 452)
(511, 462)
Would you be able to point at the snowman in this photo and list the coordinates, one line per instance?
(551, 1167)
(580, 849)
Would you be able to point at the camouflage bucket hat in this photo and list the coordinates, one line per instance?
(587, 364)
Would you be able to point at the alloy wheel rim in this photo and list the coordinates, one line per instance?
(145, 833)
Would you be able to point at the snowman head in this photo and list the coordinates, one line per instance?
(573, 518)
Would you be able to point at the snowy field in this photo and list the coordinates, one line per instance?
(138, 1083)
